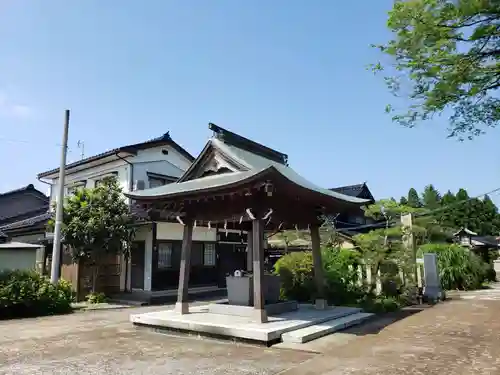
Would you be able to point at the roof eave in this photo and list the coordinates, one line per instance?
(54, 173)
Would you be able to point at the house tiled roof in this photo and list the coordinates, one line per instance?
(162, 140)
(486, 240)
(22, 203)
(357, 190)
(19, 190)
(352, 190)
(27, 222)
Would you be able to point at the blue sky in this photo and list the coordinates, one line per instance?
(290, 74)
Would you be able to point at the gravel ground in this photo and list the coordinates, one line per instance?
(104, 342)
(459, 337)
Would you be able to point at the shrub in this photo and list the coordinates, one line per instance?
(27, 293)
(296, 273)
(459, 268)
(379, 304)
(297, 276)
(95, 297)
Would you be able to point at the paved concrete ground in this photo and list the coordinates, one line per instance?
(104, 342)
(459, 337)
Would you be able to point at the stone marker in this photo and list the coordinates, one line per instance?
(432, 290)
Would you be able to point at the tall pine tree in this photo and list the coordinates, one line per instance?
(431, 198)
(445, 215)
(413, 199)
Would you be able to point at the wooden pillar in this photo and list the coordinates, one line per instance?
(182, 305)
(250, 251)
(258, 270)
(319, 277)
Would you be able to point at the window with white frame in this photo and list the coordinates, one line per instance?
(70, 190)
(100, 180)
(209, 256)
(164, 255)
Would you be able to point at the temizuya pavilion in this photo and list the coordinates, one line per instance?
(235, 181)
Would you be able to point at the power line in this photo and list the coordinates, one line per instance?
(14, 140)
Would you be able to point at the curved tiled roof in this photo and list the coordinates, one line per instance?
(252, 166)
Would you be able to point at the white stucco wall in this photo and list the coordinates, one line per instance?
(17, 259)
(174, 231)
(150, 160)
(90, 175)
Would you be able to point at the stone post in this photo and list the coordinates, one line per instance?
(432, 290)
(319, 277)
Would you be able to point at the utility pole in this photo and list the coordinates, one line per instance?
(56, 250)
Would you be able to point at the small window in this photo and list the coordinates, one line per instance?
(100, 180)
(164, 255)
(155, 182)
(209, 256)
(70, 190)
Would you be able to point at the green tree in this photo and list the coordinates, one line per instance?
(491, 218)
(96, 222)
(413, 199)
(403, 201)
(445, 215)
(431, 198)
(446, 58)
(459, 212)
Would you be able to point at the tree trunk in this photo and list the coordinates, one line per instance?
(95, 275)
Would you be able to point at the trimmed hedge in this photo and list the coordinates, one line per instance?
(28, 294)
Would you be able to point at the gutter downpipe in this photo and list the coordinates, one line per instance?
(130, 188)
(131, 174)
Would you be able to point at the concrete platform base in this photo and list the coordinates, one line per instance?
(203, 322)
(316, 331)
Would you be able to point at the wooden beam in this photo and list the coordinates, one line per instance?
(258, 270)
(319, 278)
(182, 305)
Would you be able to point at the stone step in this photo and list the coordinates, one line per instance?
(313, 332)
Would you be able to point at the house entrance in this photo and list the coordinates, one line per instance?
(137, 261)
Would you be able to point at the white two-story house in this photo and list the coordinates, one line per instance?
(139, 166)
